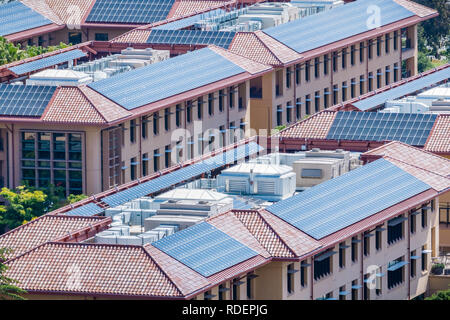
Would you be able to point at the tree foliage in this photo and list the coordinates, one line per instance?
(8, 289)
(9, 52)
(440, 295)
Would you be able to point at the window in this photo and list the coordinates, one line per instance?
(298, 105)
(156, 123)
(167, 119)
(386, 43)
(412, 267)
(322, 265)
(424, 259)
(379, 74)
(424, 217)
(379, 284)
(236, 284)
(370, 82)
(290, 278)
(370, 49)
(395, 72)
(342, 247)
(222, 290)
(156, 156)
(344, 91)
(366, 291)
(211, 104)
(221, 97)
(189, 111)
(395, 273)
(352, 55)
(342, 293)
(312, 173)
(145, 164)
(355, 249)
(316, 67)
(335, 94)
(355, 289)
(178, 110)
(303, 274)
(366, 244)
(307, 71)
(250, 277)
(308, 104)
(200, 108)
(133, 167)
(361, 52)
(361, 85)
(412, 223)
(378, 234)
(279, 115)
(288, 77)
(344, 58)
(288, 112)
(167, 154)
(335, 56)
(395, 229)
(326, 98)
(144, 127)
(325, 64)
(395, 40)
(231, 97)
(75, 38)
(297, 74)
(101, 37)
(386, 75)
(353, 87)
(207, 295)
(317, 101)
(378, 46)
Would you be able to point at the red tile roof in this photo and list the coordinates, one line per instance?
(439, 139)
(264, 233)
(243, 267)
(133, 36)
(428, 167)
(416, 8)
(71, 12)
(91, 269)
(47, 228)
(249, 65)
(231, 225)
(189, 7)
(41, 7)
(314, 127)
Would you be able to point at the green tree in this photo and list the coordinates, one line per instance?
(8, 289)
(423, 63)
(76, 197)
(437, 30)
(440, 295)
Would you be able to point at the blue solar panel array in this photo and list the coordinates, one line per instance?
(403, 90)
(16, 17)
(345, 200)
(182, 174)
(22, 100)
(190, 21)
(336, 24)
(130, 11)
(87, 210)
(191, 37)
(205, 249)
(47, 62)
(166, 78)
(410, 128)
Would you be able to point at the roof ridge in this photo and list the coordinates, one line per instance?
(304, 120)
(417, 167)
(256, 34)
(91, 103)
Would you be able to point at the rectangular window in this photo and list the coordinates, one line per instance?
(75, 38)
(395, 72)
(303, 274)
(199, 108)
(167, 119)
(288, 77)
(355, 289)
(279, 115)
(156, 157)
(167, 155)
(335, 94)
(352, 55)
(378, 46)
(298, 108)
(156, 123)
(288, 112)
(144, 127)
(308, 104)
(290, 278)
(145, 164)
(361, 52)
(395, 229)
(307, 71)
(370, 82)
(353, 87)
(395, 40)
(344, 91)
(316, 67)
(326, 98)
(412, 223)
(325, 64)
(424, 259)
(378, 237)
(317, 101)
(366, 291)
(355, 242)
(342, 293)
(133, 169)
(387, 73)
(236, 293)
(211, 104)
(335, 62)
(370, 49)
(221, 97)
(366, 247)
(412, 267)
(395, 273)
(178, 110)
(322, 266)
(231, 97)
(424, 217)
(342, 247)
(222, 290)
(361, 85)
(344, 58)
(297, 74)
(101, 37)
(249, 286)
(386, 43)
(379, 75)
(189, 111)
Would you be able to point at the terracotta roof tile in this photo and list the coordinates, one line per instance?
(41, 7)
(263, 232)
(281, 51)
(231, 225)
(314, 127)
(70, 11)
(247, 44)
(91, 269)
(133, 36)
(189, 7)
(70, 105)
(416, 8)
(250, 66)
(299, 242)
(186, 279)
(439, 139)
(43, 229)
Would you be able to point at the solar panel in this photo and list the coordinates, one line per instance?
(167, 78)
(130, 11)
(191, 37)
(87, 210)
(19, 100)
(190, 21)
(16, 17)
(47, 62)
(403, 90)
(412, 129)
(182, 174)
(205, 249)
(345, 200)
(336, 24)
